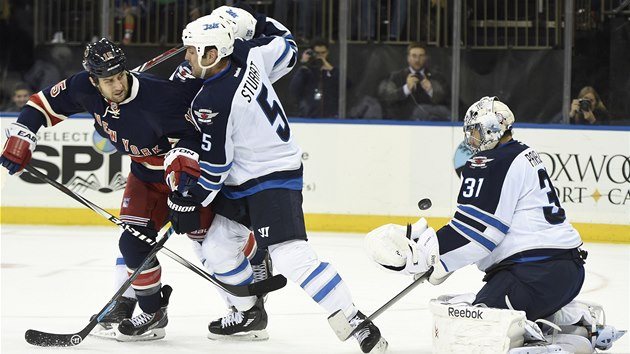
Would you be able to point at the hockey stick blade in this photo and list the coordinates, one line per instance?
(44, 339)
(264, 286)
(344, 330)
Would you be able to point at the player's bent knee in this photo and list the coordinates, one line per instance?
(293, 258)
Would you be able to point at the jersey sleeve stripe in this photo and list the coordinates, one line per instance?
(209, 185)
(287, 47)
(40, 103)
(213, 169)
(480, 215)
(473, 235)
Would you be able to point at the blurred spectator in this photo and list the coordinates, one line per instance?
(21, 93)
(415, 93)
(371, 11)
(315, 85)
(588, 108)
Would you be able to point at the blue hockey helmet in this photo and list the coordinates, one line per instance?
(103, 58)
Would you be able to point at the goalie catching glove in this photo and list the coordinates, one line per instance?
(18, 150)
(407, 250)
(181, 169)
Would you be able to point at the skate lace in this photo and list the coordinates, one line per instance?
(232, 318)
(260, 272)
(142, 319)
(362, 333)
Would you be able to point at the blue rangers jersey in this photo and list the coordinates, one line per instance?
(144, 126)
(246, 143)
(507, 209)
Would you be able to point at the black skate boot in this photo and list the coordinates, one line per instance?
(106, 327)
(369, 337)
(241, 325)
(262, 272)
(146, 326)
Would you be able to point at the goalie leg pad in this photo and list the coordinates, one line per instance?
(461, 328)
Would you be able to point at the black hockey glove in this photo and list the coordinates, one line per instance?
(183, 212)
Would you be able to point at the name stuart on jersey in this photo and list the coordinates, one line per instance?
(252, 82)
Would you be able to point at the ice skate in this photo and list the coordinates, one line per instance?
(241, 325)
(106, 327)
(146, 326)
(606, 336)
(369, 336)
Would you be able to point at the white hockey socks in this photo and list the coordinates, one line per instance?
(297, 261)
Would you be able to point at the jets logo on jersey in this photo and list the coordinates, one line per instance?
(204, 116)
(479, 161)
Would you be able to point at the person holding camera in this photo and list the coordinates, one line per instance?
(415, 93)
(315, 86)
(588, 108)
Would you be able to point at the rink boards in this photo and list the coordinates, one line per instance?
(357, 174)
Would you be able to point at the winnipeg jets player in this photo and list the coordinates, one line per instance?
(251, 168)
(509, 222)
(142, 116)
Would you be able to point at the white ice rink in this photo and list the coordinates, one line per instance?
(54, 278)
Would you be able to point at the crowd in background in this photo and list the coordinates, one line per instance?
(392, 72)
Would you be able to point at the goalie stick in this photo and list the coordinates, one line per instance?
(338, 321)
(268, 285)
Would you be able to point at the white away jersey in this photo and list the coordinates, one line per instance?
(506, 206)
(247, 145)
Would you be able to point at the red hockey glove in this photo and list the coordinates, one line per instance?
(181, 169)
(18, 149)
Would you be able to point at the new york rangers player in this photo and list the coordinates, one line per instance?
(251, 168)
(510, 223)
(142, 116)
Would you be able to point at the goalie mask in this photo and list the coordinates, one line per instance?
(485, 123)
(209, 31)
(243, 23)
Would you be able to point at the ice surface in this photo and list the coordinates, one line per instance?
(53, 278)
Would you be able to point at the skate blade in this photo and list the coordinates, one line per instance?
(105, 332)
(154, 334)
(380, 347)
(250, 336)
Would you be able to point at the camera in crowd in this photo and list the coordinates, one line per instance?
(314, 62)
(585, 104)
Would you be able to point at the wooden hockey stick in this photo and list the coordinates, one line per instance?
(159, 59)
(344, 330)
(268, 285)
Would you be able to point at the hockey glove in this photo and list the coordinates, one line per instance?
(18, 149)
(405, 250)
(181, 169)
(183, 212)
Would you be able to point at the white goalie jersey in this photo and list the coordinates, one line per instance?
(507, 209)
(247, 145)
